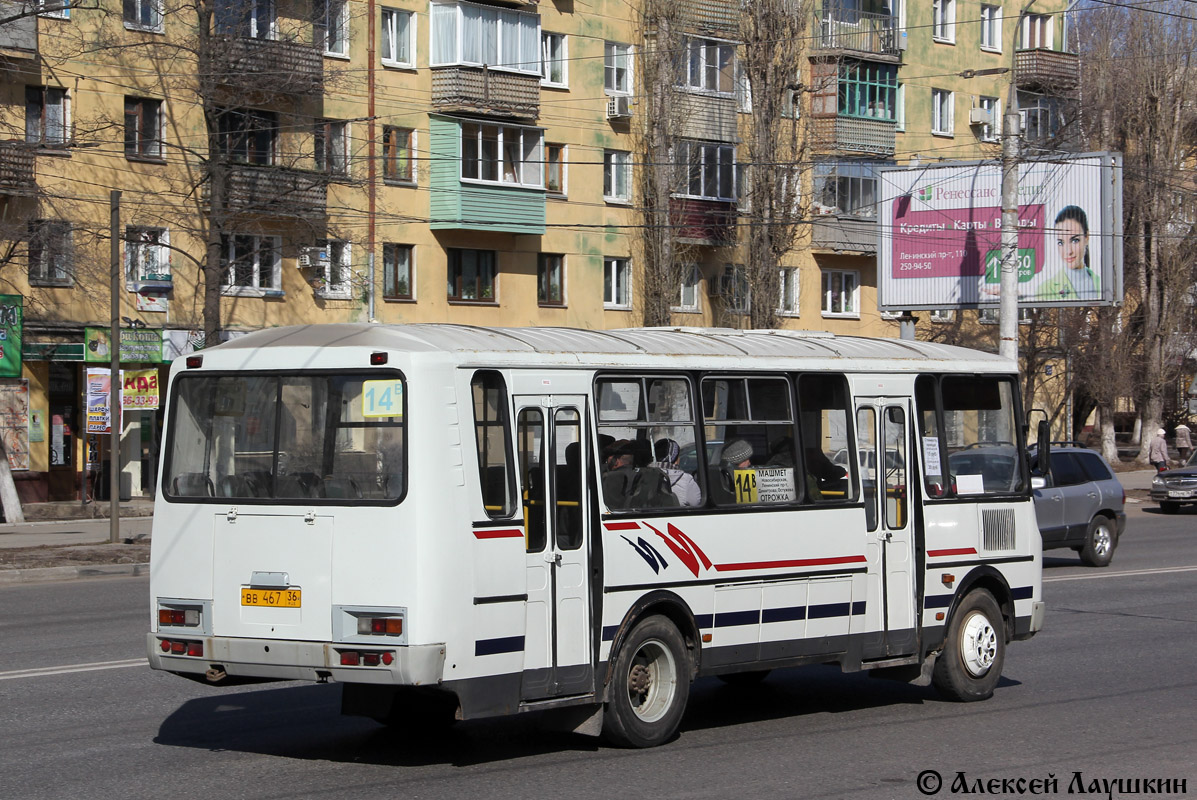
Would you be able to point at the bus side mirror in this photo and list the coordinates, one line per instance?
(1038, 482)
(1044, 443)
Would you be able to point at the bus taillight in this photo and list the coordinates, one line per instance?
(380, 626)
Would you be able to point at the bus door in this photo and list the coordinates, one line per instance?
(882, 429)
(557, 652)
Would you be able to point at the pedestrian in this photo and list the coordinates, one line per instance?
(1157, 451)
(1184, 442)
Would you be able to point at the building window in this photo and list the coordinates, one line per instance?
(472, 275)
(550, 279)
(398, 38)
(46, 116)
(1037, 30)
(247, 136)
(144, 15)
(50, 253)
(847, 188)
(553, 60)
(711, 66)
(397, 283)
(943, 20)
(143, 128)
(58, 9)
(992, 316)
(841, 289)
(397, 146)
(710, 170)
(989, 130)
(617, 176)
(249, 19)
(1040, 115)
(941, 112)
(554, 169)
(787, 295)
(331, 145)
(617, 68)
(735, 289)
(617, 283)
(147, 254)
(331, 21)
(943, 316)
(688, 296)
(498, 38)
(900, 108)
(867, 89)
(502, 154)
(250, 263)
(991, 28)
(332, 279)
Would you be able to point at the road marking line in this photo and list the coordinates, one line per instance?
(40, 672)
(1104, 574)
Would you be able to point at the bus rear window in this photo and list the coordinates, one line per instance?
(337, 438)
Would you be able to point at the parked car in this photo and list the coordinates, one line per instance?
(1176, 487)
(1081, 504)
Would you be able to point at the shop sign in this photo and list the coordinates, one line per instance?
(12, 319)
(137, 345)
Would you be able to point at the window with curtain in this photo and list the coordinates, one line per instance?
(474, 35)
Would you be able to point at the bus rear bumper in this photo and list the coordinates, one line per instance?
(280, 659)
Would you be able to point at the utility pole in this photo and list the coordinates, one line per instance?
(1008, 303)
(114, 379)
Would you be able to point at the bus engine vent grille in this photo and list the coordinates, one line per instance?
(997, 528)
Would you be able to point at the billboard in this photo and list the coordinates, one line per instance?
(940, 232)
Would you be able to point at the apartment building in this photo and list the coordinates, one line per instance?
(292, 161)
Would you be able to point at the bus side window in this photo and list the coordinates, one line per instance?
(492, 434)
(530, 438)
(827, 447)
(749, 424)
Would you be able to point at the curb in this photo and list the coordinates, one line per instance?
(39, 574)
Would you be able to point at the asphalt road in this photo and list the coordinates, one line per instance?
(1107, 689)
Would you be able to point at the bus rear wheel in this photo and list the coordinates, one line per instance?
(650, 686)
(974, 651)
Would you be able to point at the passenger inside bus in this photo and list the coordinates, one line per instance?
(736, 454)
(626, 485)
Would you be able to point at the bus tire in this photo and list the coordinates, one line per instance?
(970, 665)
(649, 686)
(743, 679)
(1100, 541)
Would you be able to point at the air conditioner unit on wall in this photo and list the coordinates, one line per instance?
(312, 257)
(619, 107)
(980, 116)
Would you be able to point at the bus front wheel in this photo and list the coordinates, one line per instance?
(975, 648)
(650, 686)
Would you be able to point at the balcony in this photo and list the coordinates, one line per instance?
(479, 90)
(18, 37)
(712, 17)
(704, 222)
(1046, 70)
(843, 134)
(17, 168)
(276, 192)
(844, 234)
(267, 65)
(858, 33)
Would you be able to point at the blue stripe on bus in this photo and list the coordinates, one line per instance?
(609, 632)
(784, 614)
(1022, 592)
(829, 610)
(730, 619)
(490, 647)
(937, 601)
(858, 607)
(704, 620)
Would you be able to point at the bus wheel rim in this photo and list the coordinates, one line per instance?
(978, 644)
(652, 681)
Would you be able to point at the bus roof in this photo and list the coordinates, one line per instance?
(601, 348)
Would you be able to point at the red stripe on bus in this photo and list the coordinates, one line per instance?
(798, 562)
(959, 551)
(621, 526)
(499, 533)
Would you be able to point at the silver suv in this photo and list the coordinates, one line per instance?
(1080, 504)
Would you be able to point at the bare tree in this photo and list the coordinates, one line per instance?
(773, 35)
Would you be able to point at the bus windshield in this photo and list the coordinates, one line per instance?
(338, 438)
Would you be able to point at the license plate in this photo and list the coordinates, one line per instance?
(271, 598)
(1180, 493)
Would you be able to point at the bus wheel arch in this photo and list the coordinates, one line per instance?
(990, 580)
(668, 605)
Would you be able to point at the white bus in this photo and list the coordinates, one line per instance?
(502, 520)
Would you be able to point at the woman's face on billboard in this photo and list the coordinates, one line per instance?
(1072, 241)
